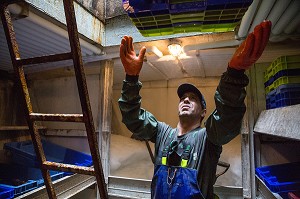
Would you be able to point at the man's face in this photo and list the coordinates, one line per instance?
(190, 105)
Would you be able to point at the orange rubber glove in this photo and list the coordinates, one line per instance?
(131, 63)
(252, 48)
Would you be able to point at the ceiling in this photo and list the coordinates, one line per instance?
(204, 55)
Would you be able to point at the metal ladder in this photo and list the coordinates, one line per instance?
(32, 117)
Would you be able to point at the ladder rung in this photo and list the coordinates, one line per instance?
(45, 59)
(56, 117)
(68, 168)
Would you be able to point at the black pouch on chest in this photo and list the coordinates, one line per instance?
(174, 154)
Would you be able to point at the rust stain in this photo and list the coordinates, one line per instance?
(68, 168)
(86, 117)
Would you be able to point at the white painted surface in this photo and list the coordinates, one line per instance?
(60, 95)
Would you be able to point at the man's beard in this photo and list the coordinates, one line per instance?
(187, 116)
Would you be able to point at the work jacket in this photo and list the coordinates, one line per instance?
(205, 144)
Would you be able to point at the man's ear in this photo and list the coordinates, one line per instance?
(203, 113)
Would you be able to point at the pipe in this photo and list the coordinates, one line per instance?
(277, 11)
(262, 13)
(247, 19)
(216, 44)
(278, 38)
(156, 51)
(292, 26)
(285, 19)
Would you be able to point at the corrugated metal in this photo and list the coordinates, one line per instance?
(35, 40)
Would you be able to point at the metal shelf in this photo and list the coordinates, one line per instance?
(282, 122)
(64, 188)
(264, 192)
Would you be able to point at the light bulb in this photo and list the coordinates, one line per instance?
(175, 49)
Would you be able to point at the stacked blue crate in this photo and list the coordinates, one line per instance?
(23, 153)
(22, 179)
(6, 192)
(15, 177)
(282, 82)
(287, 95)
(165, 17)
(26, 167)
(281, 178)
(25, 175)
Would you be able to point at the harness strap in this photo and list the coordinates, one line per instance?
(184, 157)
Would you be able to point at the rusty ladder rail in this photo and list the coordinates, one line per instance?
(32, 117)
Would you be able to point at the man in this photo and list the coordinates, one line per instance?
(186, 157)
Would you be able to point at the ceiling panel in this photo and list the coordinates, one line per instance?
(206, 54)
(35, 40)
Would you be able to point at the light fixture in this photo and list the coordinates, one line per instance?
(175, 48)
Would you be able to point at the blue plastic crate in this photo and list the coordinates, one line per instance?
(271, 100)
(227, 4)
(22, 179)
(283, 95)
(188, 7)
(6, 192)
(288, 72)
(287, 102)
(280, 178)
(135, 6)
(290, 91)
(23, 153)
(196, 6)
(54, 176)
(23, 188)
(288, 94)
(162, 17)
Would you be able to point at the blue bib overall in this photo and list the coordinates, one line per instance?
(175, 182)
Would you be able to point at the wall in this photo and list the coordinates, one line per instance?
(11, 112)
(11, 116)
(60, 95)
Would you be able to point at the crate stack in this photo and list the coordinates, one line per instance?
(25, 175)
(282, 82)
(282, 179)
(167, 17)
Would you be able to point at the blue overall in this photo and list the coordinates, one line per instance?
(172, 179)
(171, 182)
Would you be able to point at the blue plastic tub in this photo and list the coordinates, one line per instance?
(23, 153)
(22, 179)
(280, 178)
(283, 95)
(15, 177)
(227, 4)
(287, 72)
(146, 5)
(188, 7)
(6, 192)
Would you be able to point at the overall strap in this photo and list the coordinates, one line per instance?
(185, 156)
